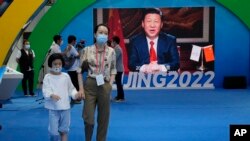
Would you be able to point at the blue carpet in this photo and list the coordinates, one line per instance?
(146, 115)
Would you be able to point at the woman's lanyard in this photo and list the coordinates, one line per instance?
(102, 61)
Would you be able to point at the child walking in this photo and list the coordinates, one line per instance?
(57, 90)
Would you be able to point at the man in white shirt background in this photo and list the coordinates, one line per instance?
(71, 51)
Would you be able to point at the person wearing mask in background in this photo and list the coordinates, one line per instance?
(71, 51)
(81, 44)
(100, 60)
(119, 67)
(25, 58)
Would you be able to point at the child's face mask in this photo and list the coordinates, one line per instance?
(56, 66)
(56, 69)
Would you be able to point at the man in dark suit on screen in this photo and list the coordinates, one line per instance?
(153, 51)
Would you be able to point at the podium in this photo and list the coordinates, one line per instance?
(9, 80)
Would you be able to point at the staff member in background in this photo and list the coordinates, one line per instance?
(25, 58)
(100, 60)
(56, 45)
(72, 52)
(119, 67)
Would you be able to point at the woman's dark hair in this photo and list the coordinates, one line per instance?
(109, 43)
(55, 56)
(96, 27)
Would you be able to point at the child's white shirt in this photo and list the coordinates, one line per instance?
(60, 85)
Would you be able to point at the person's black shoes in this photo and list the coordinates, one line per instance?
(32, 94)
(116, 99)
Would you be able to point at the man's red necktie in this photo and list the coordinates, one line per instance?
(152, 52)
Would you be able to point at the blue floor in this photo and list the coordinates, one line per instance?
(147, 115)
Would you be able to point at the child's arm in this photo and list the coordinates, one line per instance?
(80, 83)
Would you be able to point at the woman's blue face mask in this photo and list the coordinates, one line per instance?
(101, 39)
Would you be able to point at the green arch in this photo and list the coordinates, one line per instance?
(53, 22)
(240, 8)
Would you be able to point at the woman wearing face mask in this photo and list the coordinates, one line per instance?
(25, 58)
(100, 60)
(57, 90)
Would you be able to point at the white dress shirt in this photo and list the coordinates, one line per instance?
(60, 85)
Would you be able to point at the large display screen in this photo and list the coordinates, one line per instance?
(193, 29)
